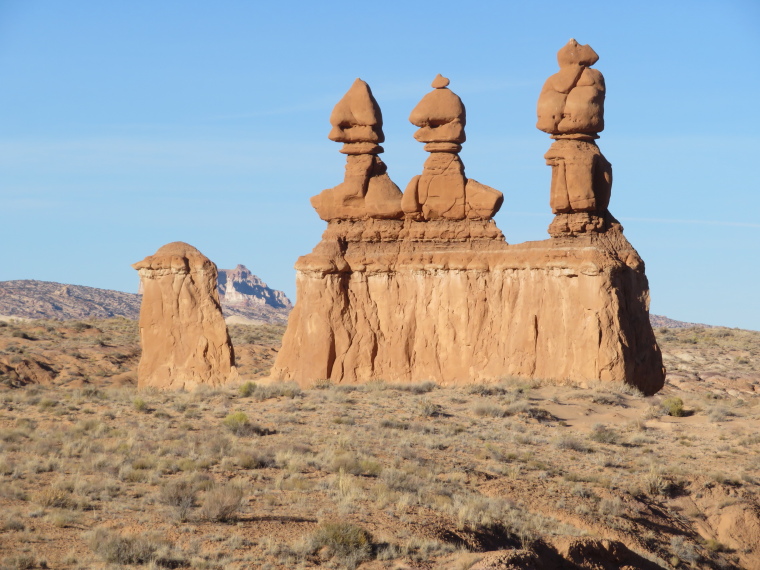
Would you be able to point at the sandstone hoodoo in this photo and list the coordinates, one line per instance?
(182, 331)
(571, 110)
(366, 191)
(443, 191)
(439, 295)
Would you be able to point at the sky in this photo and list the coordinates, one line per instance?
(128, 125)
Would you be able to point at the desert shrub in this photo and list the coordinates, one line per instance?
(277, 390)
(140, 405)
(429, 409)
(568, 442)
(486, 390)
(223, 502)
(322, 384)
(714, 546)
(394, 424)
(239, 424)
(487, 409)
(356, 465)
(719, 414)
(256, 460)
(348, 542)
(19, 562)
(179, 494)
(246, 390)
(398, 480)
(133, 549)
(54, 497)
(415, 387)
(673, 407)
(602, 434)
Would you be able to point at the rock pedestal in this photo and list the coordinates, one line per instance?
(182, 331)
(440, 295)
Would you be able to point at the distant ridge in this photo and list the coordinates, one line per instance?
(245, 299)
(660, 321)
(29, 299)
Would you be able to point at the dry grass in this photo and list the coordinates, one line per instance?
(381, 475)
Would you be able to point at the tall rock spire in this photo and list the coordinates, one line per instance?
(366, 191)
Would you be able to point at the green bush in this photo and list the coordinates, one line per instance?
(239, 424)
(674, 407)
(247, 389)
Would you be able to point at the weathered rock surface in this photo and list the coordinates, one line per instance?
(571, 109)
(182, 331)
(456, 304)
(443, 191)
(441, 296)
(366, 191)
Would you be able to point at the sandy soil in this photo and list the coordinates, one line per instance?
(94, 474)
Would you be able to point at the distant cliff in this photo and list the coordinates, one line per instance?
(244, 297)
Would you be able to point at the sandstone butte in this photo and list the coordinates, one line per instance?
(423, 286)
(183, 335)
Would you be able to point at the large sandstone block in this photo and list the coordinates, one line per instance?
(454, 303)
(182, 330)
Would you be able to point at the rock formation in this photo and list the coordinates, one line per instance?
(246, 298)
(366, 191)
(571, 110)
(443, 191)
(182, 331)
(441, 296)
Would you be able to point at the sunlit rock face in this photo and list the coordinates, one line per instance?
(182, 330)
(438, 294)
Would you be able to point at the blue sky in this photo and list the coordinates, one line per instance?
(127, 125)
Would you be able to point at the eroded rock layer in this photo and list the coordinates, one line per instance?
(182, 330)
(451, 301)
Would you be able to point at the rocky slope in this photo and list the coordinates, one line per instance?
(245, 298)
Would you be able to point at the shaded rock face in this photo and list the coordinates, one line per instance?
(440, 295)
(182, 331)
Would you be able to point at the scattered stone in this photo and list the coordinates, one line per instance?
(182, 331)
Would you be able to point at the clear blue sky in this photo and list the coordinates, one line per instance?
(127, 125)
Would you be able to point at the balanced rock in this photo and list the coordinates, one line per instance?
(184, 339)
(571, 109)
(441, 296)
(366, 191)
(443, 191)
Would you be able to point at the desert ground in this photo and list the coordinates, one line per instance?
(95, 474)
